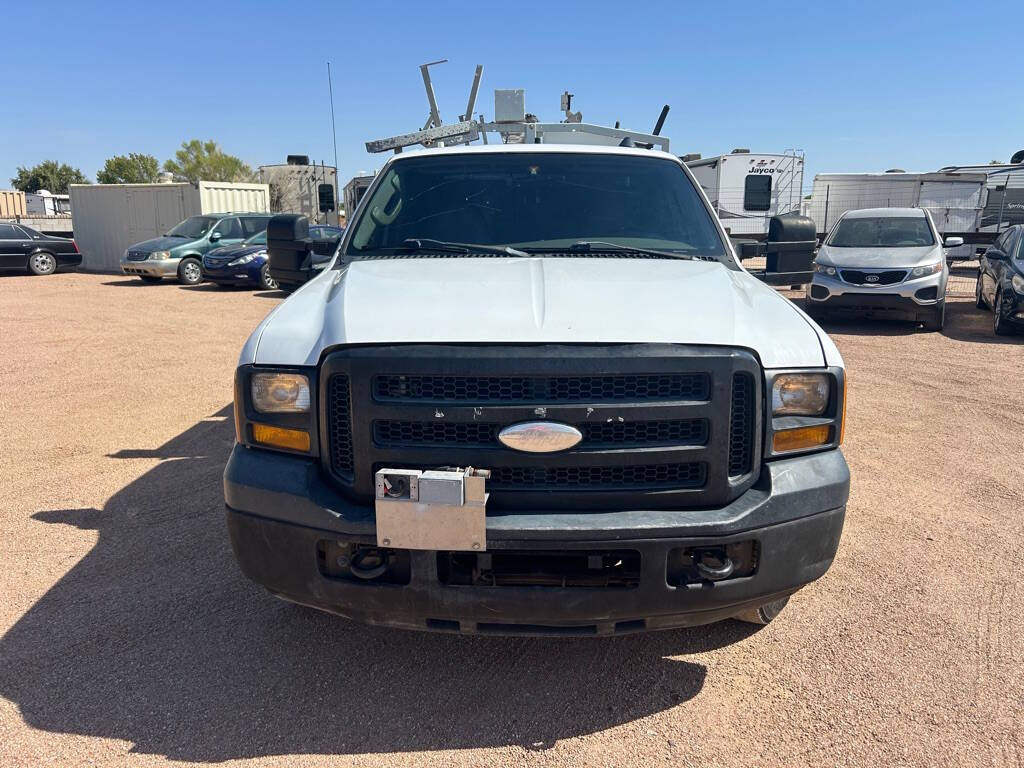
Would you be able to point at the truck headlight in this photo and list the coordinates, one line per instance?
(800, 394)
(1018, 284)
(808, 409)
(928, 269)
(242, 260)
(155, 255)
(280, 392)
(824, 269)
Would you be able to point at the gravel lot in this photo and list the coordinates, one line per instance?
(129, 636)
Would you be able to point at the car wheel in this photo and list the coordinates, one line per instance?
(979, 297)
(763, 614)
(1000, 325)
(937, 319)
(150, 278)
(42, 263)
(267, 283)
(189, 272)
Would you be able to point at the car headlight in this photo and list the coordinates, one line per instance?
(242, 260)
(824, 269)
(928, 269)
(1018, 284)
(160, 255)
(807, 411)
(800, 394)
(280, 392)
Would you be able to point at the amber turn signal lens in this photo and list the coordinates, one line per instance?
(801, 438)
(842, 423)
(280, 437)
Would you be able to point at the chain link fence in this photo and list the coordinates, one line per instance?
(975, 204)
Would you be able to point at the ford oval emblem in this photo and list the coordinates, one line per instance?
(540, 436)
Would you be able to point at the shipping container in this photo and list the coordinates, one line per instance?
(111, 217)
(12, 203)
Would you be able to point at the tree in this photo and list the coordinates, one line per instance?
(205, 161)
(49, 175)
(133, 168)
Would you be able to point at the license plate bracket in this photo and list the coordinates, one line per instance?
(432, 510)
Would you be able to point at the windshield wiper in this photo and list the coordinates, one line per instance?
(428, 244)
(602, 245)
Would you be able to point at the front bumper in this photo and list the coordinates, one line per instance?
(280, 509)
(151, 267)
(231, 276)
(912, 300)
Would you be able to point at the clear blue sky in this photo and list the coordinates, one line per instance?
(858, 86)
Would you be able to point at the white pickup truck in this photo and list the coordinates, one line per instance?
(536, 393)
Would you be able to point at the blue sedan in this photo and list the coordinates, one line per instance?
(246, 262)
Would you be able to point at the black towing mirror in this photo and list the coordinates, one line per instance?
(788, 251)
(289, 249)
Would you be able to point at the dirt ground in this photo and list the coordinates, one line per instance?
(127, 634)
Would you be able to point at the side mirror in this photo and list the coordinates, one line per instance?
(751, 250)
(953, 242)
(994, 254)
(214, 237)
(289, 249)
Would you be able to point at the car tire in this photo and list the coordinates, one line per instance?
(1000, 325)
(150, 278)
(979, 297)
(936, 320)
(42, 263)
(267, 283)
(763, 614)
(190, 272)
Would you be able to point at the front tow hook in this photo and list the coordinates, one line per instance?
(715, 572)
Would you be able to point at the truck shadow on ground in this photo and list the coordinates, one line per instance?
(155, 638)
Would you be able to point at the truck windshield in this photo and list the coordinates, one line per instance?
(193, 227)
(882, 232)
(539, 202)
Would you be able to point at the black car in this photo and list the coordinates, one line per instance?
(1001, 281)
(22, 247)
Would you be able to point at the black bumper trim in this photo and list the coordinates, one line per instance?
(279, 508)
(886, 305)
(282, 558)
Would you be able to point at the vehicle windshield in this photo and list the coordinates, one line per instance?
(260, 238)
(537, 202)
(193, 227)
(882, 232)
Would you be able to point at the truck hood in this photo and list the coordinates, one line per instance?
(160, 244)
(535, 300)
(879, 258)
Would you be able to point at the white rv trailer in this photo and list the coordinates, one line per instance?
(747, 189)
(955, 201)
(1003, 201)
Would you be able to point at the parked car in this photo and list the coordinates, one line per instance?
(179, 252)
(536, 393)
(1001, 281)
(22, 247)
(883, 262)
(246, 263)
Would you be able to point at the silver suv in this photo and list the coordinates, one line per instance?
(883, 262)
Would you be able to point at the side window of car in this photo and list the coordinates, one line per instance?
(9, 232)
(253, 225)
(229, 228)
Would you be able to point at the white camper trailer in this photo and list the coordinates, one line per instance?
(954, 200)
(1003, 201)
(747, 189)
